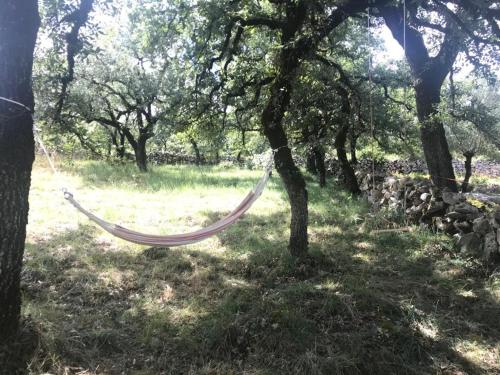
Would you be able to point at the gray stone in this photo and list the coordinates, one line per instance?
(435, 207)
(463, 226)
(377, 194)
(450, 197)
(426, 197)
(481, 225)
(490, 246)
(466, 208)
(453, 215)
(493, 222)
(470, 244)
(434, 191)
(438, 222)
(496, 214)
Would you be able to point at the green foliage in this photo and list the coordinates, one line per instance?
(471, 114)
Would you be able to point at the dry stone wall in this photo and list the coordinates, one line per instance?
(474, 224)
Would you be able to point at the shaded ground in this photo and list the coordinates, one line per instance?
(400, 303)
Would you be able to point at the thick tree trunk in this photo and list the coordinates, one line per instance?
(120, 149)
(272, 118)
(428, 76)
(196, 150)
(311, 162)
(19, 23)
(351, 182)
(141, 156)
(432, 134)
(353, 144)
(139, 147)
(468, 170)
(118, 142)
(319, 161)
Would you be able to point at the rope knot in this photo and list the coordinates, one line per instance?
(67, 194)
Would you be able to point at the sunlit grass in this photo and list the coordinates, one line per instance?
(238, 303)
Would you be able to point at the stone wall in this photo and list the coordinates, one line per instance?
(475, 225)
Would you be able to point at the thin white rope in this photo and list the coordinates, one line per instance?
(16, 103)
(38, 139)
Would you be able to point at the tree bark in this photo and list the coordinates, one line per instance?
(19, 22)
(468, 170)
(141, 156)
(428, 74)
(272, 118)
(432, 135)
(311, 162)
(139, 147)
(196, 150)
(319, 161)
(351, 182)
(353, 144)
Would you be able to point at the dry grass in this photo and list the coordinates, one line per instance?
(400, 303)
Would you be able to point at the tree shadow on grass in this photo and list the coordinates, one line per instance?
(399, 315)
(360, 305)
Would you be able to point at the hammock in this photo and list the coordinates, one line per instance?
(178, 239)
(150, 239)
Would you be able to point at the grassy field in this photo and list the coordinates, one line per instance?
(397, 303)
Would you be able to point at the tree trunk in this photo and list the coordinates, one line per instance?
(319, 157)
(141, 157)
(433, 137)
(311, 162)
(120, 148)
(351, 182)
(196, 151)
(468, 170)
(19, 22)
(353, 144)
(272, 118)
(428, 76)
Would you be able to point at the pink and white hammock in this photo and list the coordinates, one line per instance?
(178, 239)
(150, 239)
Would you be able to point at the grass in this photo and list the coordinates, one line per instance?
(397, 303)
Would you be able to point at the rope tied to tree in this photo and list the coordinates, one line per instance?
(38, 140)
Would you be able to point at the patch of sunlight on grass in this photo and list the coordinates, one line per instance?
(428, 329)
(467, 293)
(239, 283)
(328, 285)
(479, 352)
(114, 277)
(364, 245)
(367, 258)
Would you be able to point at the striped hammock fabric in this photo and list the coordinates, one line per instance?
(178, 239)
(150, 239)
